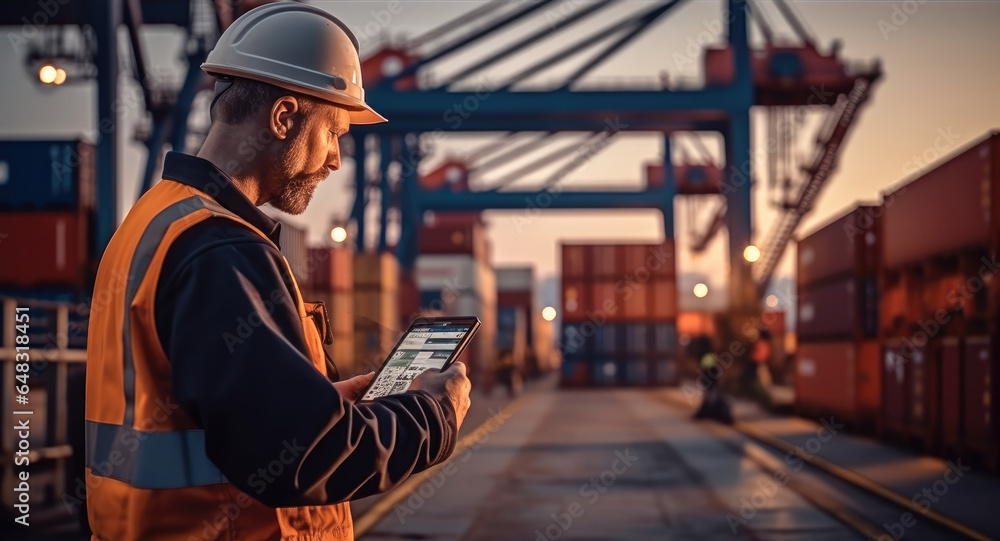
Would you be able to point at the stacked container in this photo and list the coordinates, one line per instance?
(461, 285)
(619, 314)
(454, 277)
(837, 369)
(940, 304)
(330, 273)
(376, 280)
(47, 215)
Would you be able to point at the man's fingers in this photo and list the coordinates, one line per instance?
(460, 367)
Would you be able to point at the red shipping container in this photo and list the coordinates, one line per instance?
(848, 245)
(894, 397)
(45, 249)
(603, 261)
(868, 375)
(947, 209)
(574, 262)
(825, 379)
(330, 269)
(662, 259)
(980, 413)
(944, 294)
(900, 304)
(515, 298)
(951, 391)
(575, 300)
(632, 260)
(664, 299)
(828, 311)
(604, 300)
(463, 237)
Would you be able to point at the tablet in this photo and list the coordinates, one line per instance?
(429, 343)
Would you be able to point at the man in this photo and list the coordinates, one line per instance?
(211, 413)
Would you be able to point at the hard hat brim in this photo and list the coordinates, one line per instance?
(360, 112)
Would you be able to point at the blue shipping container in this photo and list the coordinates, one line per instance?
(664, 338)
(46, 175)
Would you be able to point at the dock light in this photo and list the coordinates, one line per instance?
(60, 76)
(700, 290)
(48, 74)
(338, 234)
(771, 301)
(751, 253)
(548, 313)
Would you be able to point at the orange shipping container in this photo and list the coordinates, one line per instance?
(635, 303)
(605, 301)
(664, 299)
(824, 379)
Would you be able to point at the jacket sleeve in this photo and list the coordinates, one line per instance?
(275, 426)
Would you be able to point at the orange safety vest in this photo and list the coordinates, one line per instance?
(148, 476)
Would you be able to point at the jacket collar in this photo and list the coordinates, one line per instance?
(205, 176)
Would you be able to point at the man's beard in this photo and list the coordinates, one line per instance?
(295, 194)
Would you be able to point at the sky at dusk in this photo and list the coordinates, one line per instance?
(938, 94)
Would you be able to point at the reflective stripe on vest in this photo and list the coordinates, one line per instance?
(153, 460)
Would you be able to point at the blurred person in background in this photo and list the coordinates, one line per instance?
(714, 404)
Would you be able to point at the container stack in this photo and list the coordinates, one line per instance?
(837, 369)
(619, 314)
(515, 311)
(47, 214)
(454, 276)
(376, 279)
(461, 285)
(939, 305)
(330, 272)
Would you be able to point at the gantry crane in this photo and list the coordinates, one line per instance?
(737, 79)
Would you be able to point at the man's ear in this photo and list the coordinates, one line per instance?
(282, 116)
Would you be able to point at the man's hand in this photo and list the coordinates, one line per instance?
(351, 388)
(452, 384)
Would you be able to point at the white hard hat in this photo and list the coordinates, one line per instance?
(297, 47)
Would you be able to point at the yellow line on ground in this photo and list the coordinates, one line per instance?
(376, 512)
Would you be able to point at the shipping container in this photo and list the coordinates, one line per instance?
(376, 269)
(911, 400)
(331, 268)
(576, 300)
(515, 279)
(900, 303)
(847, 246)
(46, 175)
(463, 237)
(46, 250)
(575, 373)
(982, 420)
(868, 376)
(951, 393)
(825, 380)
(574, 263)
(663, 302)
(453, 272)
(945, 210)
(845, 309)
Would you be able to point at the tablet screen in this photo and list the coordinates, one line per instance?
(423, 347)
